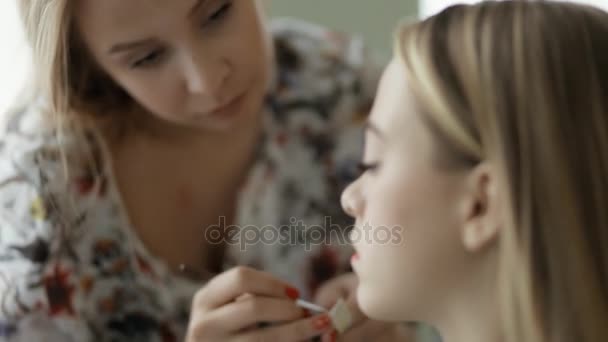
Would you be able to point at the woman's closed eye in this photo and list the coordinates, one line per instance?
(367, 167)
(154, 57)
(218, 15)
(148, 60)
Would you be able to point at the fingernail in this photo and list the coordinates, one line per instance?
(330, 337)
(306, 313)
(292, 292)
(322, 322)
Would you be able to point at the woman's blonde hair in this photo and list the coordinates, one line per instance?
(525, 85)
(76, 90)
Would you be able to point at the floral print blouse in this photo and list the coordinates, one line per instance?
(72, 268)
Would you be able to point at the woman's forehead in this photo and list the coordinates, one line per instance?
(394, 103)
(125, 19)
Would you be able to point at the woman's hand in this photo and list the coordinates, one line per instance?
(363, 329)
(232, 306)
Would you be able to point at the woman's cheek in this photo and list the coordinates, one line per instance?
(385, 198)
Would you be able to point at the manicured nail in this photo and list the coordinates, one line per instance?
(292, 292)
(330, 337)
(322, 322)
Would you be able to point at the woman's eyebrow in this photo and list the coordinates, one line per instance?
(198, 4)
(122, 47)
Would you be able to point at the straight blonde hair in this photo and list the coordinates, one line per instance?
(525, 85)
(78, 93)
(79, 101)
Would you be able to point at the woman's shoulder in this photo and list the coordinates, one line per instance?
(29, 153)
(313, 42)
(66, 250)
(44, 175)
(28, 128)
(48, 181)
(322, 71)
(35, 153)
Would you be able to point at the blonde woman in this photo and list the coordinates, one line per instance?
(154, 128)
(486, 156)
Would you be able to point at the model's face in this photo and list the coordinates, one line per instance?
(196, 63)
(405, 196)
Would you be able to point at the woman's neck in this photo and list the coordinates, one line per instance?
(472, 321)
(473, 314)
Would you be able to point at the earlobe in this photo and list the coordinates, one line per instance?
(470, 238)
(482, 221)
(477, 235)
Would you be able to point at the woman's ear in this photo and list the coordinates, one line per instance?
(481, 220)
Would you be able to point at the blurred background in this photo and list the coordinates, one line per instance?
(373, 19)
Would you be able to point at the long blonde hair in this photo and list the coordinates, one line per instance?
(525, 85)
(76, 90)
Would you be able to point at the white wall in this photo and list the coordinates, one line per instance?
(375, 20)
(14, 56)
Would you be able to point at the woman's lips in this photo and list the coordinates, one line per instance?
(229, 109)
(226, 106)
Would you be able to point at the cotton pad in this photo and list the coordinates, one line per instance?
(341, 316)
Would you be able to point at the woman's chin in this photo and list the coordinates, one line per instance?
(381, 304)
(372, 303)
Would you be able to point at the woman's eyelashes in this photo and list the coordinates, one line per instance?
(155, 56)
(218, 15)
(148, 60)
(367, 167)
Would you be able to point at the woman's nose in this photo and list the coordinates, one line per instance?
(351, 200)
(206, 75)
